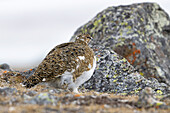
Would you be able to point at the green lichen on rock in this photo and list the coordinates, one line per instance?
(114, 74)
(139, 33)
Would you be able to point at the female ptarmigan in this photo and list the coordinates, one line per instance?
(68, 65)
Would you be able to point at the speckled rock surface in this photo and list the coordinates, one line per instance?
(147, 99)
(138, 32)
(114, 74)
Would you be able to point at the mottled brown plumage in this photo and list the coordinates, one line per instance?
(66, 59)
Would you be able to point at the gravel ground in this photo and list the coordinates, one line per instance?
(17, 99)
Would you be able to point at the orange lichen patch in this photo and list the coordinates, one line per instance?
(95, 49)
(133, 44)
(134, 57)
(99, 55)
(136, 51)
(77, 95)
(102, 106)
(5, 72)
(157, 107)
(133, 54)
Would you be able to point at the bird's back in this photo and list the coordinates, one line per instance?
(69, 57)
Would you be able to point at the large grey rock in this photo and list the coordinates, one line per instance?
(138, 32)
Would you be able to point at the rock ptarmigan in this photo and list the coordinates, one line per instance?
(68, 65)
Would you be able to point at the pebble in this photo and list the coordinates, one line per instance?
(43, 99)
(7, 91)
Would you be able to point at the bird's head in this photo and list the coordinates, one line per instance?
(83, 38)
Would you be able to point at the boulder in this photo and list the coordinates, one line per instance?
(138, 33)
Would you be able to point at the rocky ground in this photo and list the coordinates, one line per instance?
(17, 99)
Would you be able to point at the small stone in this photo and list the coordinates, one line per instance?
(7, 91)
(54, 91)
(69, 95)
(5, 67)
(26, 96)
(11, 109)
(43, 99)
(31, 93)
(107, 106)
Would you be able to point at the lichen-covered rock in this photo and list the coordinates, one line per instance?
(138, 32)
(147, 99)
(114, 74)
